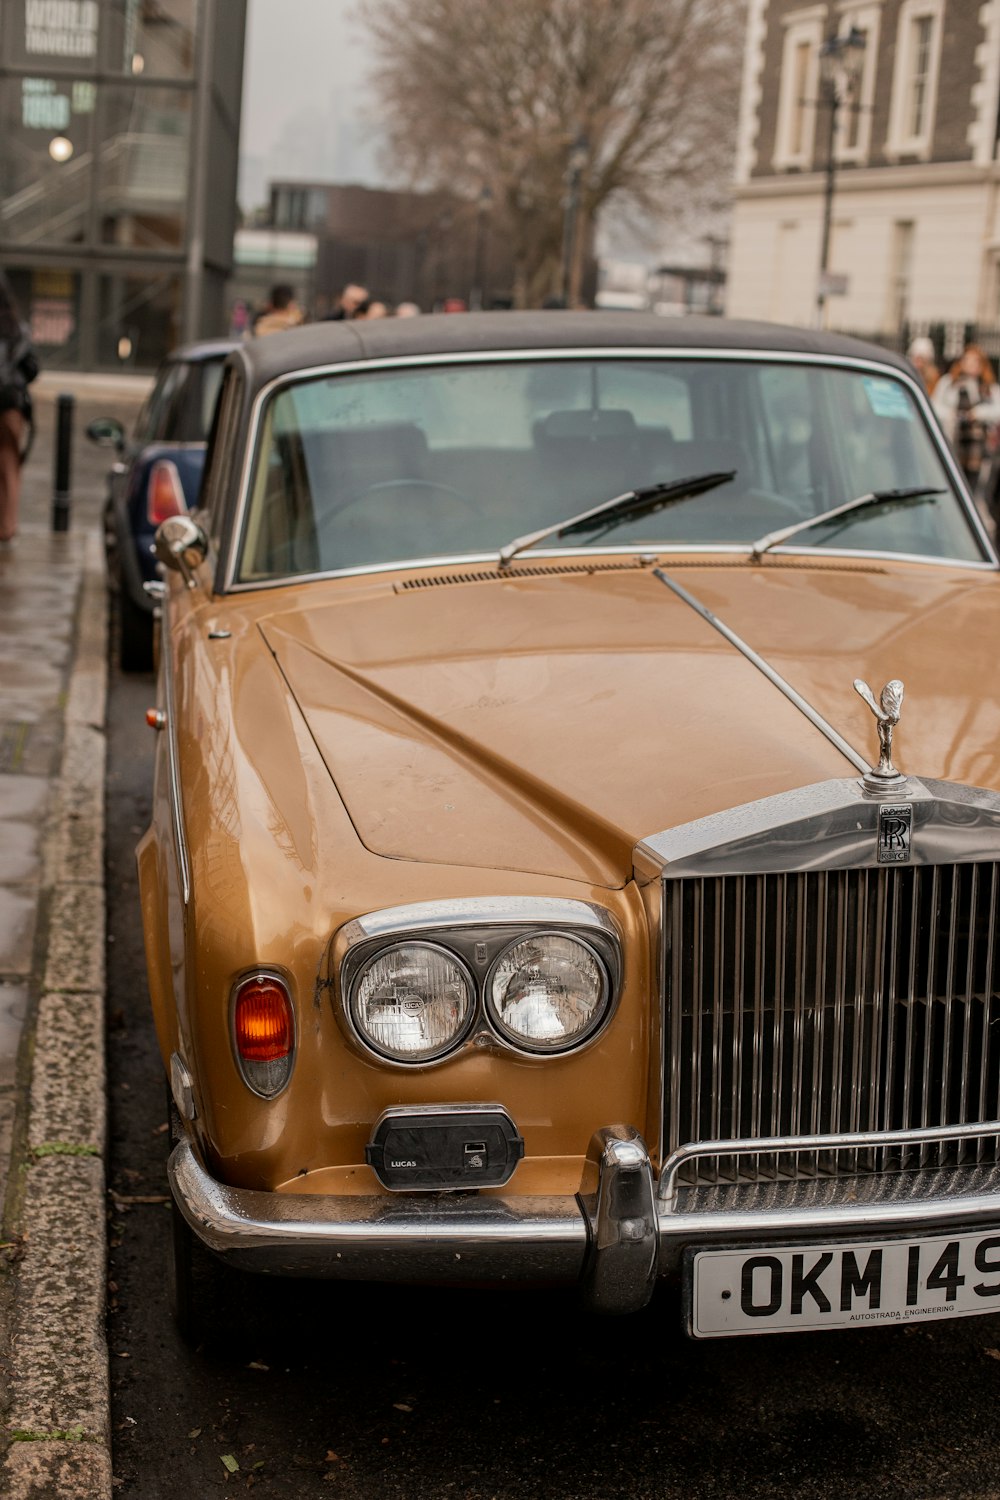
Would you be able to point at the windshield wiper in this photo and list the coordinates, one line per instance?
(644, 501)
(863, 502)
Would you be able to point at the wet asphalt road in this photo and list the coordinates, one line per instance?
(367, 1392)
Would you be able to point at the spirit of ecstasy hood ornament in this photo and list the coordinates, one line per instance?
(884, 777)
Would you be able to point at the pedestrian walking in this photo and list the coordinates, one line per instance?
(283, 313)
(923, 358)
(967, 400)
(347, 304)
(18, 368)
(370, 309)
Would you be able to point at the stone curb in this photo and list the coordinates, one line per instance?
(58, 1417)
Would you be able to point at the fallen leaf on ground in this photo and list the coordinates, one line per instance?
(195, 1432)
(401, 1406)
(229, 1462)
(992, 1353)
(257, 1364)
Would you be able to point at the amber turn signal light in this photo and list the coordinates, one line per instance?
(264, 1034)
(263, 1020)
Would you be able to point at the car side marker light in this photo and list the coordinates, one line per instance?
(156, 718)
(264, 1034)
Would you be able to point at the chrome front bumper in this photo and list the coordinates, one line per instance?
(614, 1238)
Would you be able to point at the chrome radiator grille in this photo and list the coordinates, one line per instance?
(830, 1002)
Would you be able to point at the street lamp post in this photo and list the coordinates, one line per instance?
(578, 153)
(840, 62)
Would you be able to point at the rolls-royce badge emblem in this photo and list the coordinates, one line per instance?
(895, 824)
(886, 712)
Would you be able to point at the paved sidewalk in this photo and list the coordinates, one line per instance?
(55, 1438)
(52, 1094)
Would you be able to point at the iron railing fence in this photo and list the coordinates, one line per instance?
(948, 337)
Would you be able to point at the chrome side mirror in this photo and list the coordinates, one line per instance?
(181, 544)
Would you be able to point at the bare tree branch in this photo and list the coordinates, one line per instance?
(475, 92)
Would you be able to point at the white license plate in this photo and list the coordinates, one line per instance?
(859, 1285)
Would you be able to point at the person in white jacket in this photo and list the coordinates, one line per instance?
(967, 401)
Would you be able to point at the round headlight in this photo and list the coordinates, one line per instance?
(412, 1002)
(548, 993)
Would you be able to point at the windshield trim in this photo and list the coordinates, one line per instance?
(227, 582)
(815, 555)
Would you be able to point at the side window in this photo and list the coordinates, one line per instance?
(222, 452)
(154, 421)
(174, 426)
(145, 425)
(211, 380)
(189, 418)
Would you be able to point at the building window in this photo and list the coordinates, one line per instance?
(143, 164)
(854, 138)
(151, 38)
(923, 27)
(49, 300)
(138, 318)
(793, 145)
(801, 58)
(914, 88)
(46, 159)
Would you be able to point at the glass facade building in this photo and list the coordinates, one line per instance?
(119, 138)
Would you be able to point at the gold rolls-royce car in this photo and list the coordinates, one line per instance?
(575, 853)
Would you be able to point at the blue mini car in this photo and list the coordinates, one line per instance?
(157, 473)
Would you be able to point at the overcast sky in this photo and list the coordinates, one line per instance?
(309, 114)
(305, 96)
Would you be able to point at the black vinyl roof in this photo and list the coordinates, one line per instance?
(459, 333)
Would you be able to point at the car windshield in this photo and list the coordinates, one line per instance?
(387, 466)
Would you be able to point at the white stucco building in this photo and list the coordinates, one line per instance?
(916, 218)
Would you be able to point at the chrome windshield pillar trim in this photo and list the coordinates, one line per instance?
(173, 759)
(622, 1265)
(667, 1187)
(395, 1237)
(796, 699)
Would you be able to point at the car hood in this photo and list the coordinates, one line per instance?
(548, 719)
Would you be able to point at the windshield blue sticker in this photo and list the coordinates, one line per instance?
(886, 398)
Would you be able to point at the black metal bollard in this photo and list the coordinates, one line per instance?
(65, 405)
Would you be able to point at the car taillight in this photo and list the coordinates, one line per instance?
(264, 1033)
(164, 492)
